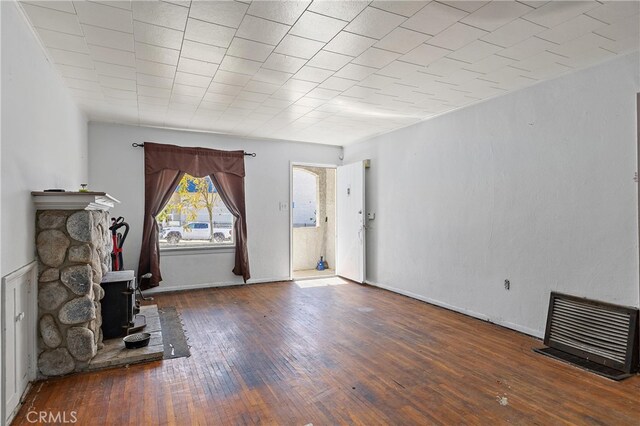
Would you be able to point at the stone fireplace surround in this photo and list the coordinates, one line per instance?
(74, 245)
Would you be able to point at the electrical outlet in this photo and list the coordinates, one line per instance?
(507, 285)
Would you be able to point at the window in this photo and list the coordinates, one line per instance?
(195, 216)
(305, 198)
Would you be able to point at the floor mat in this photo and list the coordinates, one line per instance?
(173, 334)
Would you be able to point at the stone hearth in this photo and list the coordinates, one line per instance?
(114, 353)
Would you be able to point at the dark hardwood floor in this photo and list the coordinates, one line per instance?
(346, 354)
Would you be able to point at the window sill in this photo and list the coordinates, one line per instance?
(189, 250)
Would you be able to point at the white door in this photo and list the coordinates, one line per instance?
(350, 247)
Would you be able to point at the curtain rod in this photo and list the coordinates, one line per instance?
(140, 145)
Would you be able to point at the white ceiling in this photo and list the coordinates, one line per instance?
(330, 72)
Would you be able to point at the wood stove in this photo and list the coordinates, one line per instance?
(119, 308)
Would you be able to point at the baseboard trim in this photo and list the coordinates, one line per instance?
(170, 288)
(517, 327)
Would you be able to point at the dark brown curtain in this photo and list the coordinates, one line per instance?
(164, 166)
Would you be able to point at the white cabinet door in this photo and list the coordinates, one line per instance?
(16, 323)
(350, 229)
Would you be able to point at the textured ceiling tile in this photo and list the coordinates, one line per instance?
(337, 83)
(286, 12)
(58, 40)
(526, 48)
(154, 68)
(117, 83)
(279, 62)
(456, 36)
(108, 38)
(224, 89)
(261, 87)
(208, 33)
(157, 35)
(425, 54)
(400, 7)
(571, 29)
(227, 13)
(154, 81)
(233, 78)
(249, 49)
(115, 56)
(197, 67)
(317, 27)
(61, 6)
(496, 14)
(192, 79)
(53, 20)
(298, 85)
(104, 16)
(513, 33)
(374, 23)
(258, 29)
(270, 76)
(315, 75)
(622, 29)
(475, 51)
(350, 44)
(160, 13)
(239, 65)
(79, 73)
(202, 52)
(614, 11)
(329, 60)
(434, 18)
(376, 58)
(355, 72)
(467, 6)
(402, 40)
(556, 12)
(159, 54)
(344, 10)
(187, 90)
(298, 47)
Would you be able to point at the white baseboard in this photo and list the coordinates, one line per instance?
(507, 324)
(165, 289)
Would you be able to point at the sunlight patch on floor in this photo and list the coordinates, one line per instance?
(313, 273)
(321, 282)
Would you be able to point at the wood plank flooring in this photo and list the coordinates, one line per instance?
(283, 354)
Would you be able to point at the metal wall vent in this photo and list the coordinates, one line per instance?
(592, 333)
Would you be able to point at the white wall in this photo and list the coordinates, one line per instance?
(535, 187)
(43, 139)
(44, 136)
(117, 168)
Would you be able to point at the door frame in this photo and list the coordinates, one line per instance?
(293, 164)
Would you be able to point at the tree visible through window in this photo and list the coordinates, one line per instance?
(195, 215)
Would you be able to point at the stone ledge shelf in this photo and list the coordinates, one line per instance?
(73, 200)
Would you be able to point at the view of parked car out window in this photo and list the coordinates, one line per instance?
(195, 216)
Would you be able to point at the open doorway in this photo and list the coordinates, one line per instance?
(313, 221)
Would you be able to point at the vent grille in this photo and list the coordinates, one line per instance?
(596, 331)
